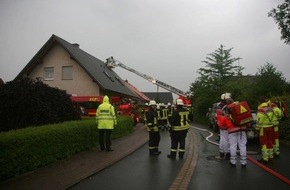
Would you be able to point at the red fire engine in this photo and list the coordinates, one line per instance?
(87, 106)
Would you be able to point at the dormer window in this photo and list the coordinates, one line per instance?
(108, 76)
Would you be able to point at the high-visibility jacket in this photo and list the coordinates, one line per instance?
(221, 119)
(151, 120)
(225, 123)
(266, 116)
(277, 113)
(105, 115)
(162, 114)
(179, 120)
(170, 111)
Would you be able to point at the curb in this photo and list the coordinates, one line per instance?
(183, 178)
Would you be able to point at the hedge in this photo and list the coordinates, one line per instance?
(30, 148)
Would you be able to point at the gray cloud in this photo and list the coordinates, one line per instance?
(166, 39)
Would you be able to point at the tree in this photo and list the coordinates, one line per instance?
(270, 82)
(219, 67)
(207, 89)
(281, 15)
(29, 102)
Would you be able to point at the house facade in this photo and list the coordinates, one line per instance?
(57, 69)
(65, 66)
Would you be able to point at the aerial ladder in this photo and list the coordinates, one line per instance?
(112, 63)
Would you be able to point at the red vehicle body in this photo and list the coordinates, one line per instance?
(129, 109)
(87, 105)
(185, 100)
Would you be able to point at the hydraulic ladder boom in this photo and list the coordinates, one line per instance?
(111, 62)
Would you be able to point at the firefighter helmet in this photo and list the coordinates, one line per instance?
(223, 97)
(152, 103)
(179, 102)
(226, 96)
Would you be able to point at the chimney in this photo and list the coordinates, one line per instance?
(76, 45)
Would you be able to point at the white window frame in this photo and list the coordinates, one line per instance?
(48, 73)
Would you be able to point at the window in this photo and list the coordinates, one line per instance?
(108, 76)
(67, 73)
(48, 73)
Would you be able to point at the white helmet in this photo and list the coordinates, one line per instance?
(152, 103)
(179, 102)
(146, 104)
(226, 96)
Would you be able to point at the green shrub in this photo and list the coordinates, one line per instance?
(27, 149)
(29, 102)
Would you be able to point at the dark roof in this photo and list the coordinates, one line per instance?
(1, 82)
(142, 96)
(105, 77)
(160, 97)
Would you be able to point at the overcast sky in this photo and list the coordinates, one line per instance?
(165, 39)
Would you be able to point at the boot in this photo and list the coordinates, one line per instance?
(222, 155)
(153, 153)
(172, 155)
(157, 150)
(228, 156)
(180, 155)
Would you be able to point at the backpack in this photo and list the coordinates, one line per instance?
(282, 106)
(240, 113)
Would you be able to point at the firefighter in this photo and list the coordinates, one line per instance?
(169, 110)
(265, 125)
(276, 118)
(237, 136)
(106, 121)
(179, 125)
(152, 128)
(163, 117)
(224, 145)
(144, 110)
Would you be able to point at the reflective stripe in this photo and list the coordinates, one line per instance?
(152, 125)
(179, 128)
(184, 125)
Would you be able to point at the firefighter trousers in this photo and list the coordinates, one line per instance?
(224, 145)
(266, 137)
(154, 139)
(178, 139)
(276, 147)
(236, 139)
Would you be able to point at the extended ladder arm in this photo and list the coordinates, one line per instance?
(111, 62)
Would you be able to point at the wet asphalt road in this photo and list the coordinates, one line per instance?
(211, 173)
(137, 171)
(142, 172)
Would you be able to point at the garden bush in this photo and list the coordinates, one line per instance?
(27, 149)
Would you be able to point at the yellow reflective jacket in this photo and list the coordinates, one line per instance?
(105, 115)
(179, 120)
(265, 116)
